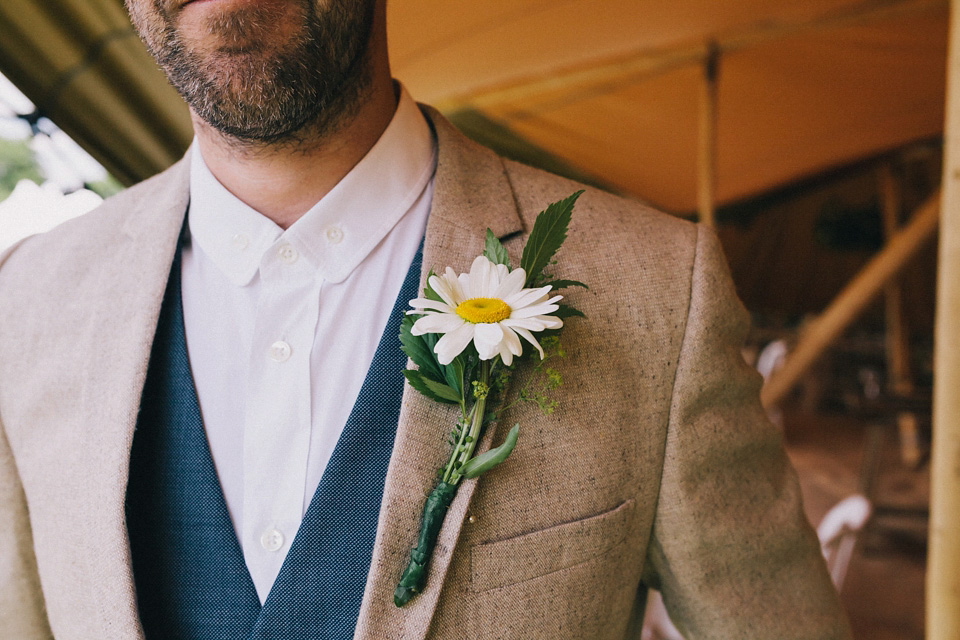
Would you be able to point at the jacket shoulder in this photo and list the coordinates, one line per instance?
(598, 210)
(622, 233)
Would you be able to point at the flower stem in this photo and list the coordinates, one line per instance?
(467, 442)
(414, 577)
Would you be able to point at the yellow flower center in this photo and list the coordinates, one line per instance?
(483, 310)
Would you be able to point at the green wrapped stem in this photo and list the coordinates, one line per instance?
(434, 511)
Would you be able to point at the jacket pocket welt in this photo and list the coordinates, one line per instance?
(531, 555)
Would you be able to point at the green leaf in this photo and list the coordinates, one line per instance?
(494, 251)
(431, 388)
(549, 232)
(428, 291)
(562, 284)
(489, 459)
(566, 311)
(453, 374)
(419, 350)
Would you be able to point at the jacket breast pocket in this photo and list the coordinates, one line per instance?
(532, 555)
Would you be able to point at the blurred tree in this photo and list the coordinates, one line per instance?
(16, 163)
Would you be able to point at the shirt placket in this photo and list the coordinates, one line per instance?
(277, 425)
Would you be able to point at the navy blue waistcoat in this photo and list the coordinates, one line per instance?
(191, 578)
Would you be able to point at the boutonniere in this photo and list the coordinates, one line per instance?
(466, 335)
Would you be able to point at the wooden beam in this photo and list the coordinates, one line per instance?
(897, 333)
(707, 144)
(943, 561)
(854, 298)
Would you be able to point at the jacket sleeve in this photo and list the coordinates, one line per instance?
(731, 550)
(22, 612)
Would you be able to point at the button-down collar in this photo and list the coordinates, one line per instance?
(337, 233)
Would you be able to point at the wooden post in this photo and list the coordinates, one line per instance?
(707, 149)
(854, 298)
(943, 562)
(897, 332)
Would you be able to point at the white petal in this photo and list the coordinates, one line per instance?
(511, 342)
(487, 337)
(530, 324)
(456, 288)
(479, 277)
(526, 297)
(425, 303)
(452, 344)
(505, 354)
(529, 337)
(443, 287)
(437, 323)
(510, 285)
(550, 322)
(533, 310)
(464, 280)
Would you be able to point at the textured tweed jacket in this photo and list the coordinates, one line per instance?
(658, 468)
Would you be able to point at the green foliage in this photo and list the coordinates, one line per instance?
(563, 284)
(16, 163)
(428, 291)
(549, 232)
(543, 380)
(494, 250)
(489, 459)
(107, 187)
(418, 351)
(431, 388)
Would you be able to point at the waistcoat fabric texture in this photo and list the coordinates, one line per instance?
(191, 578)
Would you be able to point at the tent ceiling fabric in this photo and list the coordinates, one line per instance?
(803, 86)
(83, 66)
(610, 88)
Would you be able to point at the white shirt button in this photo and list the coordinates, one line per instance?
(279, 351)
(334, 235)
(288, 254)
(240, 242)
(271, 540)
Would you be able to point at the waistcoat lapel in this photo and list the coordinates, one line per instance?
(471, 193)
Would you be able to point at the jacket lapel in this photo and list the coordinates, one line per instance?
(152, 230)
(471, 193)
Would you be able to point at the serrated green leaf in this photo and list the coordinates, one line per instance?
(431, 388)
(419, 350)
(562, 284)
(494, 251)
(549, 232)
(489, 459)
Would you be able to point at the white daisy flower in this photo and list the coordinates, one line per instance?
(488, 306)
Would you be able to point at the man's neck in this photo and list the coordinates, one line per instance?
(282, 182)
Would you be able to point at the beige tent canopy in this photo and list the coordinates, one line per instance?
(613, 88)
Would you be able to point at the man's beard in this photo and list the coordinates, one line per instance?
(258, 95)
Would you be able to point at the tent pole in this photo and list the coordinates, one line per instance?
(943, 561)
(707, 146)
(854, 298)
(897, 332)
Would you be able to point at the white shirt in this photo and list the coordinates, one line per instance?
(282, 326)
